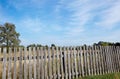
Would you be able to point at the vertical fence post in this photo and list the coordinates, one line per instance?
(118, 50)
(15, 59)
(45, 63)
(25, 64)
(21, 64)
(69, 63)
(96, 60)
(91, 60)
(9, 64)
(65, 63)
(49, 63)
(4, 63)
(42, 63)
(72, 62)
(82, 62)
(100, 60)
(75, 61)
(30, 63)
(38, 63)
(58, 63)
(61, 63)
(110, 51)
(1, 61)
(116, 59)
(113, 53)
(78, 64)
(88, 60)
(34, 60)
(53, 63)
(108, 59)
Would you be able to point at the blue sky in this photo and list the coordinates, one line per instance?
(63, 22)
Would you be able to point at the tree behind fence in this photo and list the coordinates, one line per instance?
(58, 62)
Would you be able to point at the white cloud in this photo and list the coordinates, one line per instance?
(74, 31)
(76, 19)
(80, 13)
(31, 24)
(110, 16)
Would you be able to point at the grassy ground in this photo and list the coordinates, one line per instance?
(107, 76)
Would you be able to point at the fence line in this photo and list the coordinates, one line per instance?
(59, 62)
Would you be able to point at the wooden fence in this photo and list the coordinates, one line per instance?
(58, 62)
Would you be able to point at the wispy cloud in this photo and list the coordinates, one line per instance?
(83, 12)
(31, 24)
(110, 16)
(79, 14)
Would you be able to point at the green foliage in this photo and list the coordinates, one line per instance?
(102, 43)
(8, 35)
(34, 45)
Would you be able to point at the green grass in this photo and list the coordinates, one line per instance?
(106, 76)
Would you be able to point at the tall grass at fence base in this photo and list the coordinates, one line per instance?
(106, 76)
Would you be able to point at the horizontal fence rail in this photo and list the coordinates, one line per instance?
(58, 62)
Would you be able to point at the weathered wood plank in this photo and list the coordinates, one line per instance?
(58, 63)
(69, 64)
(25, 64)
(53, 63)
(85, 60)
(9, 64)
(49, 63)
(34, 62)
(88, 60)
(101, 60)
(4, 64)
(79, 61)
(110, 59)
(45, 63)
(65, 63)
(91, 60)
(21, 64)
(116, 57)
(42, 63)
(75, 61)
(105, 55)
(61, 63)
(96, 60)
(72, 62)
(30, 63)
(38, 63)
(15, 59)
(118, 50)
(113, 65)
(82, 61)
